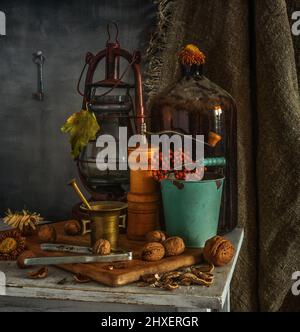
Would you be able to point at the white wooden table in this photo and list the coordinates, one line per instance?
(58, 292)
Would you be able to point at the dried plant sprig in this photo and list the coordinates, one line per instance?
(23, 219)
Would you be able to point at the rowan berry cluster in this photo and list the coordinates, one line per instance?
(175, 164)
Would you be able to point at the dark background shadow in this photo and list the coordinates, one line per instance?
(35, 156)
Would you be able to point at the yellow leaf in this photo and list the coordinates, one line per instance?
(82, 127)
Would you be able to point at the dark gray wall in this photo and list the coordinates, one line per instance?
(35, 160)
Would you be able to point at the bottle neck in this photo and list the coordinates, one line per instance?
(193, 71)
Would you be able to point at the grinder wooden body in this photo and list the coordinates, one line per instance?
(143, 203)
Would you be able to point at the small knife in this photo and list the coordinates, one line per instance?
(66, 248)
(61, 260)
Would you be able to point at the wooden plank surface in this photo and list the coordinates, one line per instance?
(186, 297)
(123, 273)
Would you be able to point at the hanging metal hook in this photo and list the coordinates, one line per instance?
(39, 59)
(108, 32)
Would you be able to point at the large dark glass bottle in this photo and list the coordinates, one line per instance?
(197, 106)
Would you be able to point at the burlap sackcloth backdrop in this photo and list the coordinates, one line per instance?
(250, 54)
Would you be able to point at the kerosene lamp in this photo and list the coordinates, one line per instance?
(113, 108)
(111, 100)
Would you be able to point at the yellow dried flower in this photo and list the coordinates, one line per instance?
(191, 55)
(12, 244)
(8, 245)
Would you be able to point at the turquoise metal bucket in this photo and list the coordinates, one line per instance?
(192, 209)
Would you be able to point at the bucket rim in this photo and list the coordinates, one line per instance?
(201, 181)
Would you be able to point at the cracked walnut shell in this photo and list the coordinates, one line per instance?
(153, 251)
(102, 247)
(174, 246)
(218, 251)
(41, 273)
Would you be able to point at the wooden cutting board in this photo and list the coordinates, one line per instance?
(122, 273)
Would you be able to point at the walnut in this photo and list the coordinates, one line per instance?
(72, 227)
(218, 251)
(22, 257)
(47, 233)
(174, 246)
(155, 236)
(153, 251)
(102, 247)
